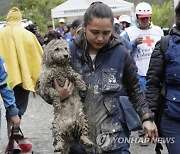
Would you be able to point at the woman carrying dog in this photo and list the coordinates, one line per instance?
(108, 71)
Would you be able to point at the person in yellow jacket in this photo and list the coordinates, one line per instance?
(22, 54)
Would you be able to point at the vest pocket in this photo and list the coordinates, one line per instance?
(111, 105)
(110, 80)
(111, 127)
(173, 94)
(110, 131)
(172, 106)
(112, 123)
(173, 75)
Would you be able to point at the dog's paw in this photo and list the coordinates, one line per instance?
(84, 88)
(86, 141)
(58, 147)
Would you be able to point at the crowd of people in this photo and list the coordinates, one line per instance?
(22, 53)
(115, 58)
(65, 31)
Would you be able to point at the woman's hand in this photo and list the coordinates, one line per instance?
(66, 91)
(151, 130)
(16, 121)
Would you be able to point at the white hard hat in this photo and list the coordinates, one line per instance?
(125, 18)
(62, 20)
(143, 10)
(116, 21)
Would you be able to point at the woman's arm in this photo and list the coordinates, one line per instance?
(132, 87)
(155, 77)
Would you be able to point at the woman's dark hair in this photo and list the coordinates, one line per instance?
(177, 11)
(98, 10)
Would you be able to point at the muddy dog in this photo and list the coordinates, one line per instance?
(69, 118)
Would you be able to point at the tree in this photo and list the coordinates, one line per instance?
(163, 15)
(39, 11)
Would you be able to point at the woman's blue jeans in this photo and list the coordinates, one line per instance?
(170, 130)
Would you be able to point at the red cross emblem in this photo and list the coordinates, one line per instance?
(148, 40)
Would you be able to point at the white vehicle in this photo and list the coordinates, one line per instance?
(2, 24)
(25, 23)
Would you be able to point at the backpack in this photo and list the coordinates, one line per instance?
(163, 48)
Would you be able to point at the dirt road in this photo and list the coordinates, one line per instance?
(36, 125)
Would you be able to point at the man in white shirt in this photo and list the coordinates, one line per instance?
(143, 38)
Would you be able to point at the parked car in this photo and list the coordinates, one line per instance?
(25, 23)
(2, 24)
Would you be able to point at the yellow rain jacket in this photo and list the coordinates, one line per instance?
(21, 52)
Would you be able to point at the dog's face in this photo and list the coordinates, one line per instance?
(56, 52)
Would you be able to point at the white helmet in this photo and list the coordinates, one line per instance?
(116, 21)
(61, 20)
(125, 18)
(143, 10)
